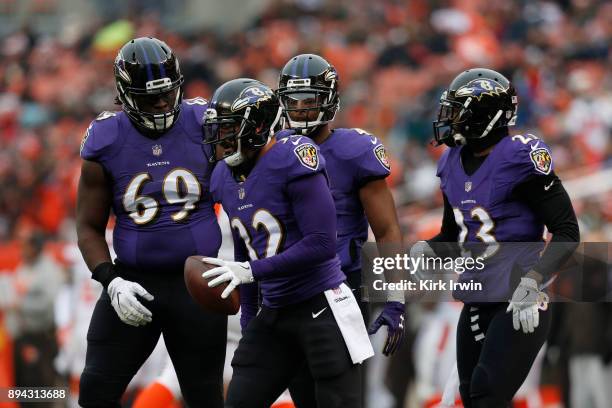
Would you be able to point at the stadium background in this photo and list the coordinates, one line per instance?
(394, 58)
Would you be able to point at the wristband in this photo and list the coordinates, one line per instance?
(104, 273)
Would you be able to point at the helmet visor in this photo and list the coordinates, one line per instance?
(451, 115)
(223, 134)
(305, 107)
(157, 103)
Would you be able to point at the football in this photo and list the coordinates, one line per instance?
(207, 297)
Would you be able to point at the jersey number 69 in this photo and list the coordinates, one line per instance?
(180, 186)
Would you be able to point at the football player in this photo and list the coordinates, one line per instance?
(498, 189)
(283, 218)
(357, 166)
(144, 163)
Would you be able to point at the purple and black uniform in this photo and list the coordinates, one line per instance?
(161, 198)
(353, 158)
(487, 211)
(282, 238)
(160, 189)
(284, 219)
(503, 199)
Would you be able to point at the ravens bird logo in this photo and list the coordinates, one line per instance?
(252, 96)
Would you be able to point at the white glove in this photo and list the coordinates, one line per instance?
(126, 304)
(526, 303)
(235, 273)
(421, 248)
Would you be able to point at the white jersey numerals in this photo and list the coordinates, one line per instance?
(362, 132)
(187, 196)
(262, 219)
(373, 139)
(106, 115)
(524, 139)
(459, 220)
(484, 233)
(180, 186)
(198, 100)
(142, 209)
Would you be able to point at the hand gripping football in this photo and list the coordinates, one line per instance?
(207, 297)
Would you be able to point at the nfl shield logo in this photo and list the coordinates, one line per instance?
(157, 150)
(468, 186)
(241, 193)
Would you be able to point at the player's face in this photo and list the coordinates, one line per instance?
(303, 107)
(449, 111)
(228, 143)
(156, 103)
(450, 116)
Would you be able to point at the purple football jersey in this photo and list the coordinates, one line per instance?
(261, 214)
(160, 188)
(353, 157)
(486, 211)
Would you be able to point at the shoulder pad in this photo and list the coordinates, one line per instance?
(527, 155)
(282, 134)
(194, 108)
(355, 143)
(100, 135)
(297, 156)
(217, 180)
(442, 161)
(366, 150)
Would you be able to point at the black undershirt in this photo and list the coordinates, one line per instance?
(545, 196)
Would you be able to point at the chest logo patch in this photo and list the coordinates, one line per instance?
(381, 156)
(157, 150)
(468, 186)
(241, 193)
(541, 159)
(307, 155)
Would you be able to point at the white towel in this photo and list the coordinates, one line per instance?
(451, 389)
(348, 316)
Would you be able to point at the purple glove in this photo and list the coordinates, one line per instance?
(392, 316)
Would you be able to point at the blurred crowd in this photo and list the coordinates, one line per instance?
(394, 58)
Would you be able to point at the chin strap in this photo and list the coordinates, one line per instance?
(236, 158)
(279, 115)
(491, 123)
